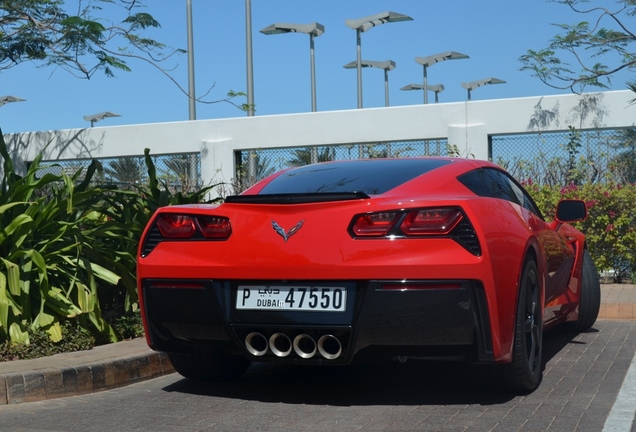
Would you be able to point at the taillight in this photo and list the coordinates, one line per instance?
(375, 224)
(436, 221)
(214, 227)
(176, 226)
(448, 222)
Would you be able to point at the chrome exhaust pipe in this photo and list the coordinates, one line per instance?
(256, 344)
(280, 344)
(329, 347)
(304, 346)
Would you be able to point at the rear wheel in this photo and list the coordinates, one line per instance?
(209, 365)
(524, 373)
(590, 297)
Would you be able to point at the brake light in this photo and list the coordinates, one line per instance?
(438, 221)
(214, 227)
(176, 226)
(375, 224)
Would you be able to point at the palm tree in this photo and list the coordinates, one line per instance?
(126, 170)
(303, 156)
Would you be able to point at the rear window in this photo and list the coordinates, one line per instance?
(372, 176)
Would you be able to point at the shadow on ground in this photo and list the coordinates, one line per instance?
(412, 383)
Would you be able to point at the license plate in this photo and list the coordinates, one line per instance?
(296, 298)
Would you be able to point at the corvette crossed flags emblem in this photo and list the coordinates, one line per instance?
(287, 234)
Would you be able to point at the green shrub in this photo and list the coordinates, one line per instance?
(611, 224)
(75, 339)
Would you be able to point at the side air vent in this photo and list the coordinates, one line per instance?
(152, 240)
(464, 234)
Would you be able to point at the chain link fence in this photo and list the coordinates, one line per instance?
(568, 157)
(179, 172)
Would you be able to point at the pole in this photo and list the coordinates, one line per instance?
(250, 68)
(359, 67)
(191, 91)
(386, 87)
(313, 72)
(425, 85)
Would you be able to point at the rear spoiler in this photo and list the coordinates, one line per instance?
(295, 198)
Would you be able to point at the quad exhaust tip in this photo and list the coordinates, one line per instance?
(329, 347)
(256, 344)
(280, 344)
(305, 346)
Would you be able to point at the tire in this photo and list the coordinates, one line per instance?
(209, 365)
(523, 374)
(590, 298)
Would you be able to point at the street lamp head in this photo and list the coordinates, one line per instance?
(474, 84)
(413, 87)
(314, 29)
(9, 99)
(436, 58)
(434, 88)
(386, 65)
(366, 23)
(101, 116)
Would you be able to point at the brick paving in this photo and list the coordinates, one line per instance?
(583, 376)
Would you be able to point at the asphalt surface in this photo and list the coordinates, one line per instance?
(589, 383)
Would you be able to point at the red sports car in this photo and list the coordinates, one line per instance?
(338, 262)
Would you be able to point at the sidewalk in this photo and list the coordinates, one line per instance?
(119, 364)
(618, 301)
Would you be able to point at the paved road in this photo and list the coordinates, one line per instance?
(583, 376)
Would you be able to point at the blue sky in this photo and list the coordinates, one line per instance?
(494, 33)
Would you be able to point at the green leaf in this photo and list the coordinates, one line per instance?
(55, 332)
(17, 335)
(13, 277)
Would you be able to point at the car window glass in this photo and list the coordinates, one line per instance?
(372, 176)
(488, 182)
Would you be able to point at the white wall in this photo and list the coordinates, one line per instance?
(467, 125)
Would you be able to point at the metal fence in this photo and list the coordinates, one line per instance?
(566, 157)
(547, 158)
(178, 172)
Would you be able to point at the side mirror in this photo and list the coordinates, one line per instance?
(571, 211)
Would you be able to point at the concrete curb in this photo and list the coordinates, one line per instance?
(73, 374)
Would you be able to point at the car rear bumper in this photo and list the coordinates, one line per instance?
(438, 318)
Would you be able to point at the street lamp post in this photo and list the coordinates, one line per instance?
(474, 84)
(436, 58)
(191, 92)
(313, 30)
(363, 24)
(386, 65)
(249, 64)
(8, 99)
(101, 116)
(437, 89)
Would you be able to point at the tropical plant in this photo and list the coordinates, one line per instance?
(303, 156)
(126, 171)
(69, 253)
(84, 37)
(572, 59)
(47, 32)
(610, 227)
(51, 254)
